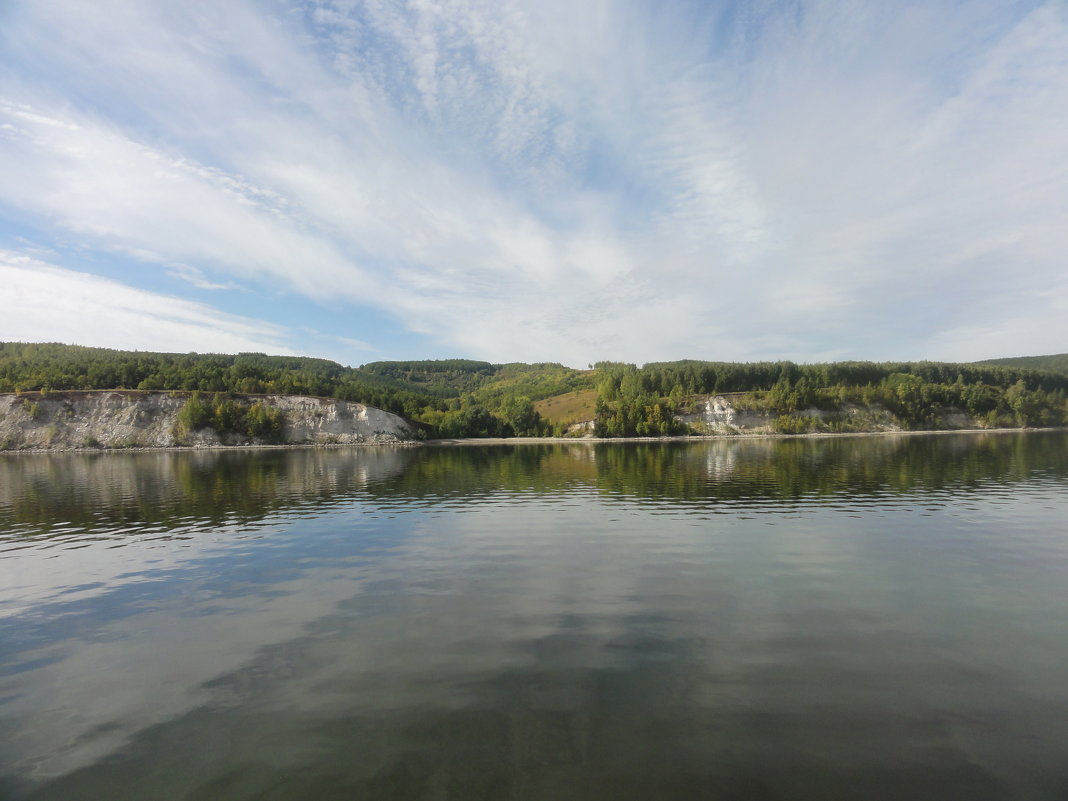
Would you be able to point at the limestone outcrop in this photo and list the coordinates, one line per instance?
(718, 415)
(133, 419)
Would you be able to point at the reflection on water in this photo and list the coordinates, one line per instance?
(841, 618)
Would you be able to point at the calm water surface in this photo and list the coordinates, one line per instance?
(876, 618)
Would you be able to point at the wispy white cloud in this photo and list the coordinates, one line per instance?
(60, 305)
(122, 195)
(354, 346)
(195, 277)
(568, 180)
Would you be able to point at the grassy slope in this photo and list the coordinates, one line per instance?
(570, 407)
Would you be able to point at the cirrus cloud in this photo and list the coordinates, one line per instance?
(562, 181)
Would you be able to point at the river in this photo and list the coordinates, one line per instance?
(861, 617)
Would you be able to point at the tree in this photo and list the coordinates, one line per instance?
(518, 412)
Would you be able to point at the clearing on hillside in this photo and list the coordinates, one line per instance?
(571, 407)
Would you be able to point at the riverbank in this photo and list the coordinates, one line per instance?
(708, 437)
(484, 441)
(128, 420)
(112, 421)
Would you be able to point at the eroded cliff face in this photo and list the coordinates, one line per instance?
(716, 415)
(129, 419)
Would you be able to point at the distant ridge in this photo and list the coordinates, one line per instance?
(1057, 362)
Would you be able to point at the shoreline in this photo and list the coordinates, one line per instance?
(450, 443)
(496, 441)
(203, 448)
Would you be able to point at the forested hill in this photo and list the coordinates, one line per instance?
(462, 397)
(453, 396)
(1057, 362)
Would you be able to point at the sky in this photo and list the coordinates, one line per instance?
(537, 181)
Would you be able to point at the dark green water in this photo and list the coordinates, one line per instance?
(860, 618)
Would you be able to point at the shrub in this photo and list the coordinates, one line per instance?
(793, 424)
(265, 422)
(194, 415)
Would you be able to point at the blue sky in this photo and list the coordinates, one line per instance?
(549, 181)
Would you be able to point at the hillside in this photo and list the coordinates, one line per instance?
(1057, 363)
(453, 397)
(468, 398)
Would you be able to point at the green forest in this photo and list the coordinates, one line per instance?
(1057, 362)
(467, 398)
(641, 401)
